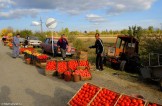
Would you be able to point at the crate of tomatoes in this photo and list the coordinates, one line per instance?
(105, 97)
(84, 95)
(153, 104)
(50, 69)
(72, 65)
(61, 68)
(126, 100)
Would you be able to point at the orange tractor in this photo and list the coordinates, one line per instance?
(124, 54)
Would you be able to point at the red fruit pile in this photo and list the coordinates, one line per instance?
(77, 72)
(84, 96)
(51, 66)
(83, 63)
(105, 98)
(85, 73)
(82, 73)
(73, 64)
(61, 66)
(129, 101)
(67, 73)
(153, 104)
(43, 57)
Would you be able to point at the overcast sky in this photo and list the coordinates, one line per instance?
(80, 14)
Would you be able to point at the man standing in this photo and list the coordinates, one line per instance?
(63, 43)
(99, 52)
(16, 44)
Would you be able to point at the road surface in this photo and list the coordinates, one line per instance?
(26, 85)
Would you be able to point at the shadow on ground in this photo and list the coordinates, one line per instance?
(4, 95)
(60, 98)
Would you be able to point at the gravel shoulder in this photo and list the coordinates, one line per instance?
(27, 85)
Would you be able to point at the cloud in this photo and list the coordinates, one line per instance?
(96, 19)
(19, 13)
(35, 23)
(73, 7)
(4, 4)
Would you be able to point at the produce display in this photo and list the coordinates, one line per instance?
(67, 73)
(24, 49)
(72, 64)
(36, 54)
(83, 63)
(42, 57)
(62, 66)
(51, 66)
(82, 73)
(105, 97)
(153, 104)
(130, 101)
(28, 51)
(84, 95)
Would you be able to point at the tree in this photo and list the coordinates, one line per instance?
(124, 32)
(135, 32)
(4, 32)
(150, 29)
(97, 31)
(64, 31)
(25, 33)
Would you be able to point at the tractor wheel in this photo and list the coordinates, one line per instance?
(122, 65)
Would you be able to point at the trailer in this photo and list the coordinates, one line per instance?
(154, 70)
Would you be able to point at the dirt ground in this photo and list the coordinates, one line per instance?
(28, 86)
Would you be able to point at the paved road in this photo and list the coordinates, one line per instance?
(26, 84)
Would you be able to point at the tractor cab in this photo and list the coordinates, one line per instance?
(124, 49)
(124, 44)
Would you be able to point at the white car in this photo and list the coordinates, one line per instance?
(34, 41)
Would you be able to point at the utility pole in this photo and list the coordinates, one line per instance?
(41, 25)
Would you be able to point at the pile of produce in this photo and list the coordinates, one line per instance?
(130, 101)
(105, 97)
(92, 95)
(83, 63)
(42, 58)
(22, 50)
(153, 104)
(62, 66)
(84, 74)
(51, 66)
(84, 95)
(72, 64)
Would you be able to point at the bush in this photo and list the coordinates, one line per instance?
(71, 38)
(150, 45)
(78, 44)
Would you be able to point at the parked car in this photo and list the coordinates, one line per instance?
(47, 47)
(21, 40)
(34, 41)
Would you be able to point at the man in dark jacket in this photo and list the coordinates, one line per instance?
(99, 52)
(63, 43)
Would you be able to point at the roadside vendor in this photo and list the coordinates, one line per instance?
(16, 44)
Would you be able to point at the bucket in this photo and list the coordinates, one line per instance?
(76, 78)
(67, 77)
